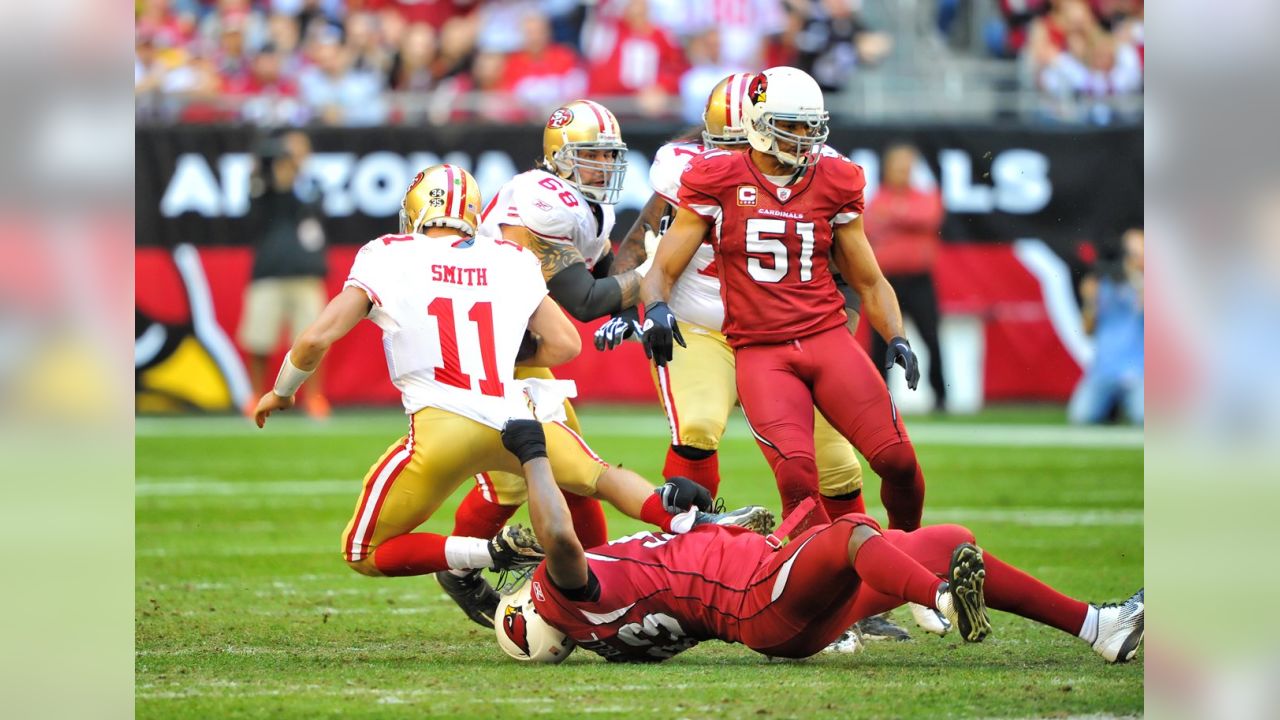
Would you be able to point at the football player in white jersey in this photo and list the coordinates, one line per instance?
(457, 313)
(698, 389)
(561, 210)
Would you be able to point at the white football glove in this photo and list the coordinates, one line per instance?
(651, 240)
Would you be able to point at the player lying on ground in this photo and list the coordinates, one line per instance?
(648, 597)
(562, 212)
(457, 313)
(697, 388)
(775, 216)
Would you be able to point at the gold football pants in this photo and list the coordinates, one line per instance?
(698, 390)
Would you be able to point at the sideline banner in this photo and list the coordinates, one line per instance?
(1013, 195)
(998, 184)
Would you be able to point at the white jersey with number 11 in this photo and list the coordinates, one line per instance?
(452, 312)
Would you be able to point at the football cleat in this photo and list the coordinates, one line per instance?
(929, 620)
(849, 642)
(473, 594)
(514, 547)
(960, 598)
(755, 518)
(880, 627)
(1120, 628)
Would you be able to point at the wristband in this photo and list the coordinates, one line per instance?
(524, 439)
(290, 378)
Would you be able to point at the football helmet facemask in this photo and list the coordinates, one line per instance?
(786, 94)
(584, 126)
(722, 120)
(441, 195)
(524, 635)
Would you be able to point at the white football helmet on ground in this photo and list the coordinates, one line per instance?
(790, 95)
(524, 635)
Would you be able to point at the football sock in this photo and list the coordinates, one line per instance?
(889, 570)
(798, 479)
(411, 554)
(700, 466)
(1009, 589)
(480, 518)
(654, 513)
(839, 505)
(588, 519)
(901, 485)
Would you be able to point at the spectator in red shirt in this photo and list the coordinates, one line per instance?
(904, 226)
(632, 56)
(542, 74)
(432, 12)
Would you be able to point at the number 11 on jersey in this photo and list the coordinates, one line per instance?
(451, 372)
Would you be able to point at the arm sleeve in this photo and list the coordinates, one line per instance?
(583, 296)
(603, 265)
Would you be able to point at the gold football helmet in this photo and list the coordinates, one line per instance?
(441, 195)
(580, 127)
(723, 120)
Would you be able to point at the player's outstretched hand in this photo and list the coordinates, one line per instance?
(618, 328)
(680, 493)
(659, 333)
(269, 404)
(900, 352)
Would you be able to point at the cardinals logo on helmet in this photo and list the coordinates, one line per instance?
(513, 624)
(758, 90)
(560, 118)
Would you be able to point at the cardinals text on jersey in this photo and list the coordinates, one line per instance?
(773, 244)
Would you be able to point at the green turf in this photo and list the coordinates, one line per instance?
(244, 608)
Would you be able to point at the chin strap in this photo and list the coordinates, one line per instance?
(797, 516)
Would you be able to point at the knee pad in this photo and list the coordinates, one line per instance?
(896, 463)
(688, 452)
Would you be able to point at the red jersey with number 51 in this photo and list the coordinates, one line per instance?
(773, 244)
(452, 312)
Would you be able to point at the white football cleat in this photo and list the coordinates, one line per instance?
(930, 620)
(849, 642)
(1120, 628)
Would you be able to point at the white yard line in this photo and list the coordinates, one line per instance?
(645, 424)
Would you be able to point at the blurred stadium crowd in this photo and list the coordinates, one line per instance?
(373, 62)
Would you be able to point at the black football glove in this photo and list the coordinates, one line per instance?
(900, 353)
(658, 333)
(680, 493)
(618, 328)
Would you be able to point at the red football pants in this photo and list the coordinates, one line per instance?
(778, 386)
(807, 594)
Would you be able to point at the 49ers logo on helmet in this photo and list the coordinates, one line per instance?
(758, 89)
(417, 180)
(560, 118)
(513, 624)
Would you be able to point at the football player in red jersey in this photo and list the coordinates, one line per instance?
(776, 216)
(650, 596)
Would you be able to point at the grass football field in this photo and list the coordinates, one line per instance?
(244, 607)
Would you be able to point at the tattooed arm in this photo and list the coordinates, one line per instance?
(631, 251)
(571, 284)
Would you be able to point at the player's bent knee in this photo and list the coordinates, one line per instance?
(365, 566)
(896, 462)
(953, 535)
